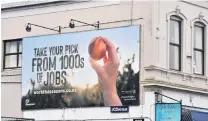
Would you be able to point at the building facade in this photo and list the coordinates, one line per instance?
(173, 51)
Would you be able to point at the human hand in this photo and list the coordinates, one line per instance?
(107, 74)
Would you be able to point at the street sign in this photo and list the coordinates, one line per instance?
(168, 111)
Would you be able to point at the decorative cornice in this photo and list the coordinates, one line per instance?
(153, 68)
(200, 18)
(177, 12)
(160, 83)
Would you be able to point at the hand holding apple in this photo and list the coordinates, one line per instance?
(107, 74)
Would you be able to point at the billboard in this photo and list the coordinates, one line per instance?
(85, 69)
(168, 111)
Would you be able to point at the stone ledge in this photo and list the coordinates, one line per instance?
(12, 72)
(160, 83)
(178, 76)
(11, 76)
(152, 68)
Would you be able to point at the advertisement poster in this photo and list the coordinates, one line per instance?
(168, 112)
(84, 69)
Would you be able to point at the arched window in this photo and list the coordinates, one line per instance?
(199, 48)
(175, 42)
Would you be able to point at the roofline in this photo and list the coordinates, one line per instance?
(31, 4)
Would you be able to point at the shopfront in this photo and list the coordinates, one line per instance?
(193, 115)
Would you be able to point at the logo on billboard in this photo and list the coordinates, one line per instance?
(119, 109)
(27, 103)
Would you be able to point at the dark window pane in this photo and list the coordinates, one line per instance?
(20, 60)
(10, 61)
(174, 31)
(198, 62)
(174, 57)
(11, 47)
(198, 37)
(20, 46)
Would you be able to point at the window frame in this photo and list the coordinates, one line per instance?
(18, 53)
(202, 26)
(179, 20)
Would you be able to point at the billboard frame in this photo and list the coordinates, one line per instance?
(140, 41)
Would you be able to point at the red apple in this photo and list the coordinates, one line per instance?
(97, 48)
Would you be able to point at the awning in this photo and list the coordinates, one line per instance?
(199, 116)
(192, 115)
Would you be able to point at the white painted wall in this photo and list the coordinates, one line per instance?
(154, 54)
(194, 100)
(158, 73)
(11, 99)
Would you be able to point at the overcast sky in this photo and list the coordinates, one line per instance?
(10, 1)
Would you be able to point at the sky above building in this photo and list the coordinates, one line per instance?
(12, 1)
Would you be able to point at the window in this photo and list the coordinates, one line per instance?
(175, 43)
(12, 53)
(198, 48)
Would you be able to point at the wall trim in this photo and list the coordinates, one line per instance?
(161, 83)
(152, 68)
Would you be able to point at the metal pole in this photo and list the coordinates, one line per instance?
(167, 97)
(44, 27)
(84, 23)
(181, 109)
